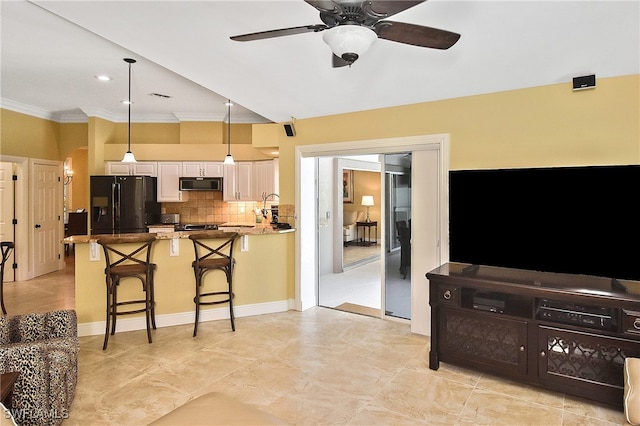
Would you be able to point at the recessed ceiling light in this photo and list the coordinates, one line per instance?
(103, 77)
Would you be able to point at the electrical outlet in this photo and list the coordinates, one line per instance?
(174, 247)
(94, 252)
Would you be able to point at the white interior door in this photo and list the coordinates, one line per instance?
(6, 213)
(46, 218)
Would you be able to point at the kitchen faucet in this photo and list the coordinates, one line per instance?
(265, 211)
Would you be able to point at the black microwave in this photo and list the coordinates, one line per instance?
(200, 184)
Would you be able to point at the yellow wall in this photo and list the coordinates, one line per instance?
(258, 277)
(26, 136)
(72, 137)
(143, 133)
(200, 132)
(543, 126)
(80, 182)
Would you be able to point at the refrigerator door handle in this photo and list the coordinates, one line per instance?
(115, 203)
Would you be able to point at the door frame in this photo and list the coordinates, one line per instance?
(306, 248)
(22, 252)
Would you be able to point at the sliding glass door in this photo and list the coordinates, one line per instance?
(398, 235)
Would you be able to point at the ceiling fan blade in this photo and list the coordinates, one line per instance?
(416, 35)
(279, 33)
(323, 5)
(338, 62)
(384, 8)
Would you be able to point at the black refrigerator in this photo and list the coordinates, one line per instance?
(123, 204)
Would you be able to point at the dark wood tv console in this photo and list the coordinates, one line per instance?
(568, 333)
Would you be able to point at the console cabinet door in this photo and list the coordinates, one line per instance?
(483, 340)
(586, 363)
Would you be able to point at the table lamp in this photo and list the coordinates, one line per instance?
(367, 201)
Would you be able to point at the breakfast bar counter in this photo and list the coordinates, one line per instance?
(262, 281)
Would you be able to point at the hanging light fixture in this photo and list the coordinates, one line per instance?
(128, 156)
(229, 158)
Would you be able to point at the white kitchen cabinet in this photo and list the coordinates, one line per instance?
(141, 168)
(202, 169)
(237, 182)
(169, 173)
(265, 178)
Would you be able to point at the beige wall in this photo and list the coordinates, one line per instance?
(261, 275)
(22, 135)
(543, 126)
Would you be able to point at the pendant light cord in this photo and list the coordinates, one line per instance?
(128, 156)
(229, 127)
(129, 105)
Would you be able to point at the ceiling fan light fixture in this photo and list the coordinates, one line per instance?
(349, 42)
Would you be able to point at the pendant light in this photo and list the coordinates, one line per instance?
(229, 159)
(128, 156)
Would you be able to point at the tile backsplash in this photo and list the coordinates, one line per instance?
(208, 207)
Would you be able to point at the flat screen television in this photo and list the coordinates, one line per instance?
(578, 220)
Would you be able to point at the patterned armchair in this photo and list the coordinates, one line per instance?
(43, 348)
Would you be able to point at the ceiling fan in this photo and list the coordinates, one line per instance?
(351, 27)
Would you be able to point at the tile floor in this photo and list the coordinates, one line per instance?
(318, 367)
(360, 283)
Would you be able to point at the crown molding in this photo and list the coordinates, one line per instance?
(81, 115)
(25, 109)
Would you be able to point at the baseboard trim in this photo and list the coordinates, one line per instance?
(181, 318)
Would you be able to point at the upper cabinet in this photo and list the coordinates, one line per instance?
(169, 174)
(237, 183)
(141, 168)
(265, 178)
(202, 169)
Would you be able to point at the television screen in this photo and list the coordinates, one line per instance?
(579, 220)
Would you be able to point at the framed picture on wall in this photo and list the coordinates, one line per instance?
(347, 186)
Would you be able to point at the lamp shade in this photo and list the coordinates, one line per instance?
(128, 158)
(367, 200)
(349, 41)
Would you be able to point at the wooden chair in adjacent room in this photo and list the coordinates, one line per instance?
(128, 257)
(213, 251)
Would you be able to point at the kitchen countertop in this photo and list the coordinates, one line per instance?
(240, 229)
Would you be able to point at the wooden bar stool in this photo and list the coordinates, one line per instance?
(215, 254)
(134, 262)
(7, 247)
